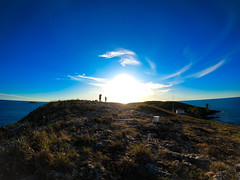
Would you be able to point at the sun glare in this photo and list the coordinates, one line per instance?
(124, 89)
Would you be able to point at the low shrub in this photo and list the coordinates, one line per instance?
(141, 154)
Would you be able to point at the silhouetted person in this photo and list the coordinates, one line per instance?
(105, 99)
(207, 107)
(100, 97)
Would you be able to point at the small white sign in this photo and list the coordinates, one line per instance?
(155, 119)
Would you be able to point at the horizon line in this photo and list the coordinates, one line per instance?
(119, 102)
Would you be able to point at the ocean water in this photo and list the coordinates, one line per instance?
(13, 111)
(228, 107)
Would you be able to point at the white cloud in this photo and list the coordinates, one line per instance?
(128, 60)
(81, 77)
(127, 57)
(151, 64)
(118, 53)
(151, 85)
(155, 89)
(208, 70)
(178, 73)
(97, 84)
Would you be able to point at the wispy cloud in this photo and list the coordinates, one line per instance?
(118, 53)
(81, 77)
(153, 89)
(151, 64)
(152, 69)
(208, 70)
(151, 85)
(129, 60)
(127, 57)
(178, 73)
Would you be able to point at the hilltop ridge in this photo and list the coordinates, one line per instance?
(89, 140)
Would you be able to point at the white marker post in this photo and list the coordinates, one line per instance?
(155, 119)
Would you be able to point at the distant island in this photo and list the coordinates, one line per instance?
(34, 102)
(78, 139)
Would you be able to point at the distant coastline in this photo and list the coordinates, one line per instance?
(228, 107)
(12, 111)
(35, 102)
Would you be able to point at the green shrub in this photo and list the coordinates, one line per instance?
(193, 174)
(39, 141)
(86, 151)
(102, 120)
(141, 153)
(84, 139)
(117, 146)
(218, 166)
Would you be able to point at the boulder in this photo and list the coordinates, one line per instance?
(238, 167)
(156, 171)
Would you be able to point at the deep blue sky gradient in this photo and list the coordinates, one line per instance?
(42, 42)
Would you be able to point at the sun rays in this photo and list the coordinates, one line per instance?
(124, 89)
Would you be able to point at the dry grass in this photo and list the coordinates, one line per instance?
(79, 138)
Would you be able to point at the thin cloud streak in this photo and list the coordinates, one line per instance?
(181, 71)
(152, 65)
(151, 85)
(81, 77)
(208, 70)
(127, 57)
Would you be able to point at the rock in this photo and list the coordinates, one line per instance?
(156, 171)
(177, 165)
(57, 175)
(238, 167)
(104, 137)
(209, 174)
(219, 176)
(31, 177)
(202, 162)
(96, 173)
(99, 146)
(238, 176)
(176, 162)
(187, 164)
(108, 132)
(100, 172)
(195, 159)
(153, 169)
(136, 165)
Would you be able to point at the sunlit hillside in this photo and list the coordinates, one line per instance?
(90, 140)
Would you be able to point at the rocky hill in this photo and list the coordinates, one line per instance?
(90, 140)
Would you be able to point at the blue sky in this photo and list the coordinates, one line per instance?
(52, 50)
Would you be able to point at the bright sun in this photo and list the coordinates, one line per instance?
(124, 89)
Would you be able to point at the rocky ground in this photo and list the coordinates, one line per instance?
(90, 140)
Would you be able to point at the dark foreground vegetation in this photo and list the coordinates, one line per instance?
(89, 140)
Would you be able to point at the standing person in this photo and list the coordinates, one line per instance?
(207, 107)
(100, 97)
(105, 99)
